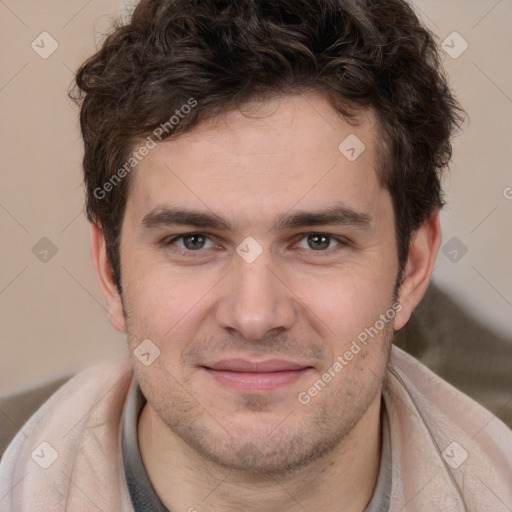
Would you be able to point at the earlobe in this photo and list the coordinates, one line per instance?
(106, 278)
(421, 259)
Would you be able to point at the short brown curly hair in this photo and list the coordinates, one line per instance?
(359, 53)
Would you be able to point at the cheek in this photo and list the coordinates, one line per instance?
(348, 300)
(164, 304)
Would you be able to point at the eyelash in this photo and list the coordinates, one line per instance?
(343, 242)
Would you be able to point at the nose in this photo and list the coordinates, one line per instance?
(256, 300)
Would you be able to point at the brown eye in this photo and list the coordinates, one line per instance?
(194, 241)
(319, 241)
(190, 242)
(322, 243)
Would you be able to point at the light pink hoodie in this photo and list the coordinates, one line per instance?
(449, 454)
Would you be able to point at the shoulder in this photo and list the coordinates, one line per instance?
(76, 428)
(16, 408)
(443, 439)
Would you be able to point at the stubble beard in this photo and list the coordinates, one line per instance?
(281, 447)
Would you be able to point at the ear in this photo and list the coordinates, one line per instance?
(106, 278)
(421, 259)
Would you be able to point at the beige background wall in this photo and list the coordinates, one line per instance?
(53, 318)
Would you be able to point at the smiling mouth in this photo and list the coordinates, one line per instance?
(258, 376)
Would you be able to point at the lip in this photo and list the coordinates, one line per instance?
(256, 376)
(243, 365)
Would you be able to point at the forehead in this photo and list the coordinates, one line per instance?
(266, 157)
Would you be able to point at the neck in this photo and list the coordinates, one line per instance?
(184, 480)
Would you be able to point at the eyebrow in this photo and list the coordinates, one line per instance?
(336, 215)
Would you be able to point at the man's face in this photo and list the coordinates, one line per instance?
(313, 289)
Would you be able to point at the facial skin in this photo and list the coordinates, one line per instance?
(262, 450)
